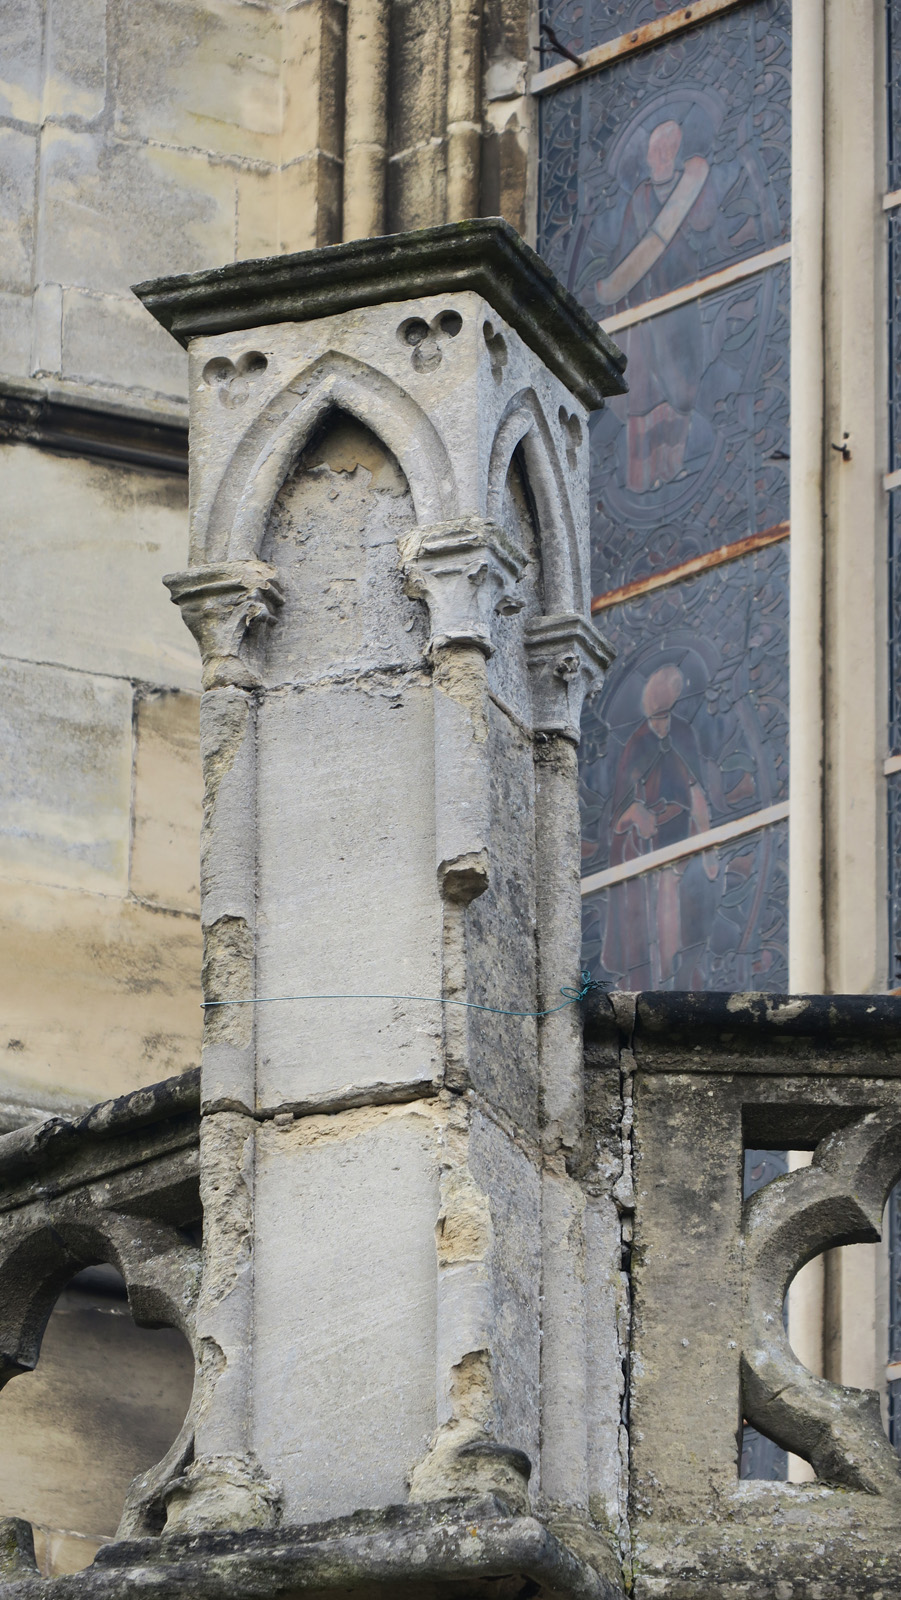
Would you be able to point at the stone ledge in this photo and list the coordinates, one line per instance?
(70, 422)
(679, 1562)
(448, 1548)
(485, 255)
(59, 1153)
(853, 1035)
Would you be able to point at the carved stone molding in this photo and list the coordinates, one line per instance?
(118, 1186)
(228, 609)
(567, 660)
(466, 571)
(838, 1200)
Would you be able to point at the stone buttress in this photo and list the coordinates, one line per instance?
(388, 582)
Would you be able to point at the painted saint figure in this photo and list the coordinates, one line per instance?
(658, 924)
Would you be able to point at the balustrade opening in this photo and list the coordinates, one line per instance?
(104, 1403)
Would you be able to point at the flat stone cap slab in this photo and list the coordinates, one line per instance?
(486, 255)
(446, 1550)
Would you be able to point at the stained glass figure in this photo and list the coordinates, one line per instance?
(696, 454)
(717, 919)
(693, 710)
(669, 164)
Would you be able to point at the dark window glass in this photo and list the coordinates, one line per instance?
(894, 621)
(893, 18)
(893, 784)
(894, 365)
(671, 163)
(715, 920)
(696, 454)
(691, 727)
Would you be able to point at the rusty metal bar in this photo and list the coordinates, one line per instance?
(689, 569)
(628, 44)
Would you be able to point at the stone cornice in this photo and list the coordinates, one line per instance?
(485, 255)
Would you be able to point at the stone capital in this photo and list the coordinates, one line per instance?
(228, 608)
(466, 571)
(567, 659)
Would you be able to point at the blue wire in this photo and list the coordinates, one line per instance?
(573, 997)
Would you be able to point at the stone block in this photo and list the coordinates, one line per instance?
(168, 801)
(65, 781)
(512, 1183)
(115, 212)
(76, 60)
(103, 606)
(47, 330)
(347, 898)
(203, 76)
(23, 43)
(104, 1403)
(57, 1551)
(15, 335)
(107, 339)
(18, 162)
(100, 995)
(313, 54)
(345, 1306)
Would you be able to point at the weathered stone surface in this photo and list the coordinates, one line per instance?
(713, 1075)
(347, 883)
(365, 1185)
(65, 783)
(460, 1546)
(18, 159)
(99, 993)
(75, 70)
(156, 204)
(200, 77)
(485, 256)
(168, 795)
(104, 345)
(129, 522)
(20, 93)
(15, 333)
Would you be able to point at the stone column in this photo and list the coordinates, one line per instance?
(389, 586)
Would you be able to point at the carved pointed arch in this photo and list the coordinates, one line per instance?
(525, 425)
(271, 445)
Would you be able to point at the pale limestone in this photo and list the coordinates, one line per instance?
(346, 875)
(114, 211)
(20, 73)
(65, 783)
(346, 1326)
(101, 995)
(200, 76)
(47, 329)
(75, 69)
(128, 522)
(15, 334)
(18, 160)
(106, 341)
(168, 794)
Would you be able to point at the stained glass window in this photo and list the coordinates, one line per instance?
(695, 456)
(658, 171)
(671, 163)
(715, 919)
